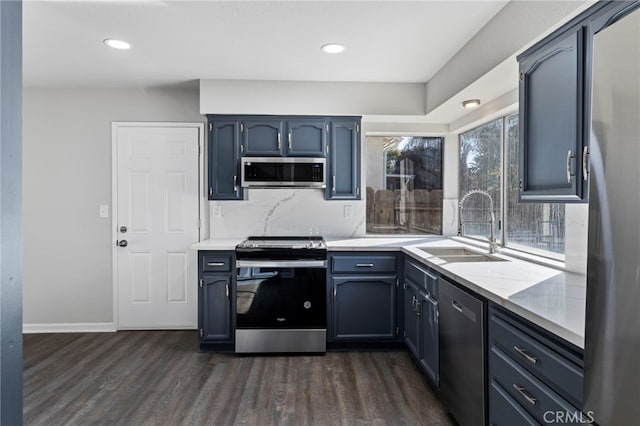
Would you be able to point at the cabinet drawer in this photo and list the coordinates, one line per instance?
(364, 264)
(542, 361)
(421, 276)
(215, 263)
(523, 387)
(504, 411)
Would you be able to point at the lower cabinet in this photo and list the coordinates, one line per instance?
(421, 317)
(534, 377)
(362, 291)
(215, 296)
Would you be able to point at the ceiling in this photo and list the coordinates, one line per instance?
(176, 41)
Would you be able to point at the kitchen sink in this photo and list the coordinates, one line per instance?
(459, 254)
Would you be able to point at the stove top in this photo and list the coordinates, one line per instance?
(294, 243)
(283, 248)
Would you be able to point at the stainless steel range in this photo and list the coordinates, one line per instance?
(281, 295)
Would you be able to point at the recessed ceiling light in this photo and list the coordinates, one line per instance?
(116, 44)
(332, 48)
(471, 103)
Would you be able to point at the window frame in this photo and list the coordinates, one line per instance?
(502, 219)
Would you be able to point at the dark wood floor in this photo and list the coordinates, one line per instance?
(160, 378)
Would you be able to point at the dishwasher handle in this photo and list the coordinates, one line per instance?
(456, 306)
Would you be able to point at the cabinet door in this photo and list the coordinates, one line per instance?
(262, 137)
(224, 166)
(364, 308)
(411, 319)
(551, 122)
(428, 318)
(307, 137)
(344, 161)
(215, 308)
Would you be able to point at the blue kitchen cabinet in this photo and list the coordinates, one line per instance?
(215, 297)
(552, 138)
(307, 137)
(421, 317)
(363, 297)
(531, 373)
(344, 160)
(262, 137)
(224, 160)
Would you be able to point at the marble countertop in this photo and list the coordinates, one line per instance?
(550, 298)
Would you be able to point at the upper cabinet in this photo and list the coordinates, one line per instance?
(344, 160)
(234, 137)
(555, 107)
(307, 137)
(262, 137)
(224, 160)
(551, 121)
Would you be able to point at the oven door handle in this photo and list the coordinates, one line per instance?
(281, 263)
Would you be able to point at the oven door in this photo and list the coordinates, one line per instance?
(281, 294)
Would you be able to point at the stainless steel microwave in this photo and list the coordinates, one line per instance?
(278, 172)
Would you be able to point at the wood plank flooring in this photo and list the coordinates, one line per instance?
(160, 378)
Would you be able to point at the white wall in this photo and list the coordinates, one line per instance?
(67, 175)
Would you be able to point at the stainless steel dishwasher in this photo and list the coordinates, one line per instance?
(462, 344)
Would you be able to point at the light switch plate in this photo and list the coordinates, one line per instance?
(217, 210)
(104, 210)
(348, 212)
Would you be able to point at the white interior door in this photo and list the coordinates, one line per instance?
(157, 202)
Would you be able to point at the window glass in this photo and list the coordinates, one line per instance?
(404, 185)
(535, 227)
(480, 179)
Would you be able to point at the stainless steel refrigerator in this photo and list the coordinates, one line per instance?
(612, 340)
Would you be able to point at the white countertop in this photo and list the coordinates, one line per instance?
(550, 298)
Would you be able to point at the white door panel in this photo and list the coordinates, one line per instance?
(157, 200)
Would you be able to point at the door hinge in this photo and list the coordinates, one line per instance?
(241, 148)
(521, 76)
(397, 331)
(201, 333)
(201, 283)
(210, 126)
(520, 184)
(327, 126)
(241, 127)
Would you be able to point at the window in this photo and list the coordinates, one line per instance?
(404, 185)
(489, 175)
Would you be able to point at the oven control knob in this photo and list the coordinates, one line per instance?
(307, 305)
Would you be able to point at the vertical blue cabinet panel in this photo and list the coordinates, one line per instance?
(224, 160)
(411, 320)
(344, 161)
(215, 314)
(551, 122)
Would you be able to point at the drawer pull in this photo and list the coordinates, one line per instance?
(215, 264)
(522, 392)
(526, 356)
(364, 265)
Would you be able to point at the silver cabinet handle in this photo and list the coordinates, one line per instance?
(364, 265)
(569, 166)
(334, 183)
(215, 264)
(525, 355)
(585, 163)
(227, 290)
(522, 392)
(456, 306)
(235, 183)
(431, 299)
(289, 140)
(279, 141)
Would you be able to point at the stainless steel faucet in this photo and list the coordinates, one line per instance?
(493, 244)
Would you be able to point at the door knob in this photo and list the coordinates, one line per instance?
(123, 229)
(123, 243)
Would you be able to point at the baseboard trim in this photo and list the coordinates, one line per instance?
(78, 327)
